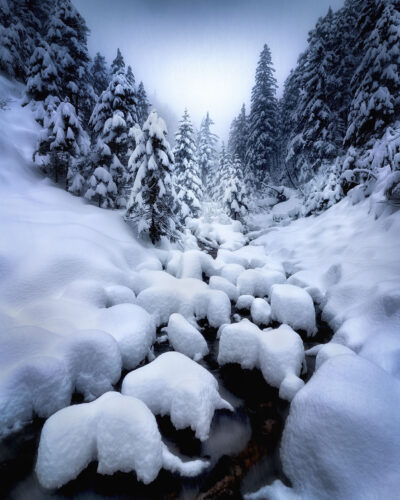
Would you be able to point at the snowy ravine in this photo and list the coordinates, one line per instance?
(133, 370)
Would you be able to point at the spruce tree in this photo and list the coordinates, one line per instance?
(221, 175)
(235, 199)
(238, 135)
(102, 189)
(188, 181)
(100, 74)
(261, 152)
(152, 204)
(207, 154)
(130, 77)
(118, 64)
(143, 105)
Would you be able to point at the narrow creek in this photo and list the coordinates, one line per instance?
(243, 447)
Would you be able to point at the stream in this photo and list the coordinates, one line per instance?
(243, 446)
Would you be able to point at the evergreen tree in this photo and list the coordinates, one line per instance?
(238, 135)
(376, 82)
(186, 167)
(143, 105)
(102, 189)
(100, 74)
(62, 144)
(130, 77)
(207, 154)
(152, 204)
(235, 195)
(111, 120)
(222, 175)
(118, 64)
(261, 152)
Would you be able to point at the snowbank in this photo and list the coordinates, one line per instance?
(278, 353)
(175, 385)
(119, 432)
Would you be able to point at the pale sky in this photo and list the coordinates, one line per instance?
(202, 54)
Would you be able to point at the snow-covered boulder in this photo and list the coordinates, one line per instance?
(294, 306)
(175, 385)
(118, 294)
(185, 338)
(244, 302)
(260, 312)
(41, 370)
(341, 438)
(194, 263)
(90, 291)
(258, 282)
(278, 353)
(132, 327)
(323, 352)
(231, 272)
(119, 432)
(219, 283)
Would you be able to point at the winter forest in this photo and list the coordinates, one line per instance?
(188, 309)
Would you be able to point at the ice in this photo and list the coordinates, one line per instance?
(219, 283)
(175, 385)
(185, 338)
(278, 353)
(258, 282)
(260, 312)
(119, 432)
(294, 306)
(341, 438)
(41, 370)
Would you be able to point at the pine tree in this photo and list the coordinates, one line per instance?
(111, 121)
(222, 175)
(102, 189)
(238, 135)
(376, 82)
(63, 143)
(100, 74)
(130, 77)
(235, 195)
(207, 154)
(186, 167)
(143, 105)
(118, 64)
(152, 203)
(67, 37)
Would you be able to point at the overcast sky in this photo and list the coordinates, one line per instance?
(202, 54)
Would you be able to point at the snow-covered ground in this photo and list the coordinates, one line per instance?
(81, 299)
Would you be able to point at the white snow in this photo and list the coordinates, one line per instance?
(278, 353)
(175, 385)
(119, 432)
(185, 338)
(260, 312)
(231, 272)
(258, 282)
(294, 306)
(220, 283)
(244, 302)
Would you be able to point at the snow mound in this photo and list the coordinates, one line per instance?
(294, 306)
(219, 283)
(278, 353)
(328, 351)
(244, 302)
(41, 370)
(341, 438)
(175, 385)
(117, 431)
(258, 282)
(260, 312)
(118, 294)
(185, 338)
(254, 256)
(228, 235)
(231, 272)
(192, 264)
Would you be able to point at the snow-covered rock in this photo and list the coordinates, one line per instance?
(341, 438)
(231, 272)
(258, 282)
(278, 353)
(41, 370)
(118, 294)
(244, 302)
(219, 283)
(175, 385)
(90, 291)
(324, 352)
(294, 306)
(185, 338)
(260, 312)
(119, 432)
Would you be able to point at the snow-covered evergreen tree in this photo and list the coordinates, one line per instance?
(261, 153)
(111, 121)
(118, 64)
(238, 135)
(153, 200)
(130, 77)
(62, 144)
(102, 189)
(207, 154)
(376, 82)
(143, 105)
(100, 74)
(235, 198)
(221, 176)
(187, 175)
